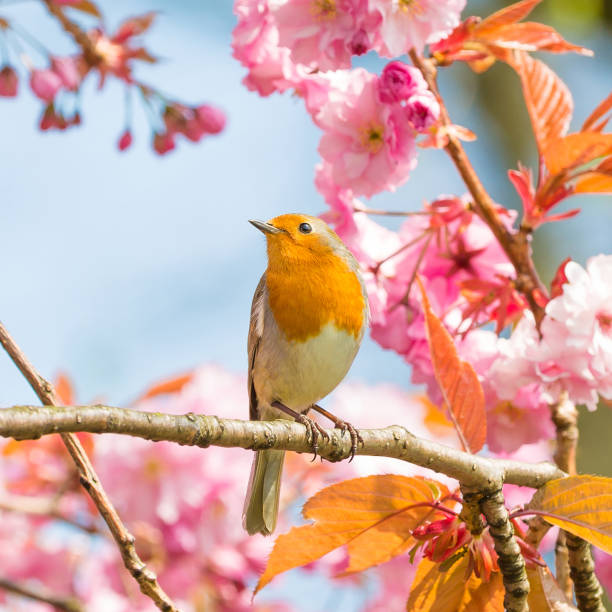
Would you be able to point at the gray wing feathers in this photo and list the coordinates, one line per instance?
(255, 333)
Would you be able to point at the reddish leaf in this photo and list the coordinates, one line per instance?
(86, 7)
(375, 516)
(63, 389)
(134, 26)
(509, 14)
(458, 382)
(556, 286)
(451, 591)
(575, 150)
(590, 123)
(549, 101)
(172, 385)
(529, 36)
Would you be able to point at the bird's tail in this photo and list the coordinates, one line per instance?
(261, 503)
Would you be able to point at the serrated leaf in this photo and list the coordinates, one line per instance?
(581, 505)
(458, 382)
(575, 150)
(509, 14)
(529, 36)
(450, 591)
(544, 592)
(549, 101)
(590, 123)
(374, 515)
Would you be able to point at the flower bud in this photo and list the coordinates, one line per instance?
(45, 84)
(422, 110)
(8, 82)
(398, 82)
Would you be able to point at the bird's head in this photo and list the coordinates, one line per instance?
(301, 237)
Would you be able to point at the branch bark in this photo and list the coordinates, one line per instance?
(516, 245)
(31, 422)
(511, 562)
(147, 581)
(582, 571)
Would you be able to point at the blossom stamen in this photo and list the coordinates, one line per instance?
(324, 9)
(372, 138)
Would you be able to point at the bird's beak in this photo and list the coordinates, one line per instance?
(266, 228)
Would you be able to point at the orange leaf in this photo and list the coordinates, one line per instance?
(581, 505)
(172, 385)
(549, 101)
(529, 36)
(594, 182)
(575, 150)
(63, 389)
(458, 382)
(449, 591)
(591, 121)
(375, 515)
(544, 592)
(509, 14)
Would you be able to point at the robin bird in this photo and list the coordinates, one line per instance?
(309, 314)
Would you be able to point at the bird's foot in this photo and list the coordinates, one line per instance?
(314, 431)
(343, 426)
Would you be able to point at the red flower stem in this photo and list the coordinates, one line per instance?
(516, 245)
(145, 578)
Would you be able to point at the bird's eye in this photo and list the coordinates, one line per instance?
(305, 228)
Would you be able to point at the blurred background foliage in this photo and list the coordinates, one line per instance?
(125, 268)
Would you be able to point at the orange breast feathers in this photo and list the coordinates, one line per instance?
(309, 288)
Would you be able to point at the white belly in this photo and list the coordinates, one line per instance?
(299, 374)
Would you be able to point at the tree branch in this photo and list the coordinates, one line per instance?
(516, 245)
(582, 571)
(146, 579)
(65, 604)
(511, 562)
(31, 422)
(91, 55)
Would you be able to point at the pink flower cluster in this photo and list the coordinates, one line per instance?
(105, 54)
(369, 123)
(454, 253)
(277, 39)
(574, 352)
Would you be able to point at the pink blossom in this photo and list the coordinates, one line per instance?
(410, 24)
(603, 569)
(255, 44)
(399, 81)
(323, 33)
(45, 84)
(422, 110)
(368, 144)
(211, 119)
(163, 142)
(125, 140)
(67, 69)
(8, 82)
(574, 352)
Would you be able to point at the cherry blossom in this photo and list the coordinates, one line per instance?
(368, 144)
(410, 24)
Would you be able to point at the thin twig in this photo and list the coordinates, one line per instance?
(582, 571)
(37, 593)
(31, 422)
(89, 479)
(91, 55)
(516, 245)
(40, 506)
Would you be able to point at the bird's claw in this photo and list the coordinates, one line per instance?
(314, 431)
(344, 426)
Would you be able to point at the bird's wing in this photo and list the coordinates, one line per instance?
(255, 333)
